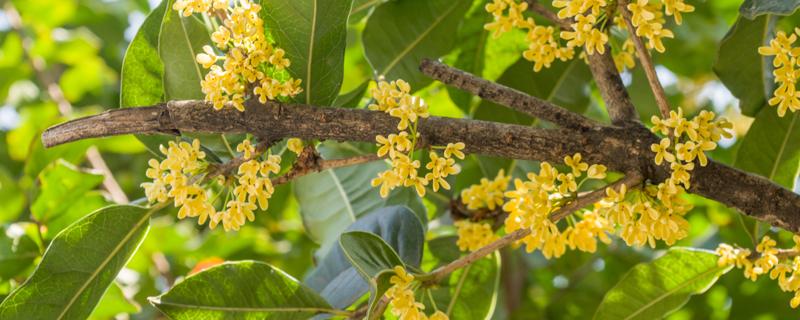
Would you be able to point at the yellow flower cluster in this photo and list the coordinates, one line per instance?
(395, 99)
(589, 27)
(645, 215)
(786, 75)
(487, 194)
(249, 59)
(649, 21)
(401, 296)
(688, 140)
(531, 202)
(766, 261)
(543, 47)
(474, 235)
(181, 174)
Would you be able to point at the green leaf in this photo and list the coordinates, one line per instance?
(753, 8)
(61, 186)
(313, 33)
(374, 260)
(399, 34)
(470, 292)
(339, 282)
(83, 205)
(352, 98)
(368, 253)
(12, 198)
(179, 41)
(240, 290)
(653, 290)
(17, 251)
(331, 200)
(361, 8)
(472, 39)
(79, 265)
(747, 74)
(142, 75)
(771, 147)
(113, 303)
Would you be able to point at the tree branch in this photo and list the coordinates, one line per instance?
(620, 149)
(506, 96)
(646, 60)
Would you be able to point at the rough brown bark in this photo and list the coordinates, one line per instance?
(623, 149)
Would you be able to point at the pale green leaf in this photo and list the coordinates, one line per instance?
(240, 290)
(79, 265)
(61, 186)
(654, 289)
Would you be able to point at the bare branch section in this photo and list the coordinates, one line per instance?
(621, 149)
(506, 96)
(646, 60)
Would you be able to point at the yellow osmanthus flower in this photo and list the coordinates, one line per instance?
(474, 235)
(766, 261)
(401, 298)
(688, 141)
(180, 176)
(395, 99)
(649, 21)
(249, 59)
(487, 194)
(785, 96)
(295, 145)
(590, 27)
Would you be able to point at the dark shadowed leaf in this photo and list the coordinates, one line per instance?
(340, 283)
(754, 8)
(17, 251)
(771, 147)
(399, 34)
(747, 74)
(470, 292)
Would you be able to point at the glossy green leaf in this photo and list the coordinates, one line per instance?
(179, 41)
(61, 186)
(339, 282)
(374, 260)
(753, 8)
(654, 289)
(240, 290)
(747, 74)
(313, 33)
(472, 39)
(399, 34)
(17, 251)
(113, 303)
(142, 75)
(368, 253)
(79, 265)
(361, 8)
(771, 147)
(470, 292)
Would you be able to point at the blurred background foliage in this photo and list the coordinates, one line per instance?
(79, 47)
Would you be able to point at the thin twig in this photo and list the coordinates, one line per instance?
(64, 106)
(437, 275)
(537, 7)
(646, 60)
(506, 96)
